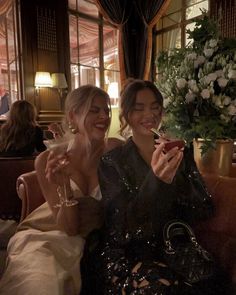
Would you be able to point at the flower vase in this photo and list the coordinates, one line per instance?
(214, 161)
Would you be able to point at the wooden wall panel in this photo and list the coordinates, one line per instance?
(224, 11)
(45, 47)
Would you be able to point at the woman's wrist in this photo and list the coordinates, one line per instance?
(65, 199)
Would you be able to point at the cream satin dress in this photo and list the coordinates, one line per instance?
(42, 259)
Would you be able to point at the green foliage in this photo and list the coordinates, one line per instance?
(198, 84)
(205, 29)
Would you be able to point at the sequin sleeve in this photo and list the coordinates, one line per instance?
(142, 201)
(186, 198)
(134, 207)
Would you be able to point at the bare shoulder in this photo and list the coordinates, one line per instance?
(40, 161)
(113, 142)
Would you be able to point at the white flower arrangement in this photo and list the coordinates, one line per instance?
(198, 84)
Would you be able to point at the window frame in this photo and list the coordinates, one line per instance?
(101, 22)
(14, 83)
(181, 25)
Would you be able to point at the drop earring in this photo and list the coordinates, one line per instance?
(72, 129)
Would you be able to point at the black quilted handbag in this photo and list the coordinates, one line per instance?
(184, 255)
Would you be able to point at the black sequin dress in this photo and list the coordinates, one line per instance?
(137, 205)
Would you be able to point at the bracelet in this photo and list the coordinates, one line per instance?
(63, 200)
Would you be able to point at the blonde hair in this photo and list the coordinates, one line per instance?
(79, 102)
(19, 128)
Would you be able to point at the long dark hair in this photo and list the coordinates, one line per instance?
(19, 129)
(128, 99)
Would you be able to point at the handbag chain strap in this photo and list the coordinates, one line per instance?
(167, 238)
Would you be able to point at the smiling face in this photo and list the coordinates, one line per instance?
(87, 114)
(97, 120)
(145, 114)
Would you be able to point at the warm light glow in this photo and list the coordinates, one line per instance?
(59, 80)
(43, 79)
(113, 90)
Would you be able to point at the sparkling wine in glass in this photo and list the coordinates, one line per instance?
(60, 146)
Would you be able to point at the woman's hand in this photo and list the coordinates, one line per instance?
(56, 165)
(165, 165)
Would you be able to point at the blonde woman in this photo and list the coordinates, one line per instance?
(56, 231)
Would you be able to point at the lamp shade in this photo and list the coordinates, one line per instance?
(43, 79)
(59, 80)
(113, 90)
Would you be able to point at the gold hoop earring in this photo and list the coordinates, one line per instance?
(72, 129)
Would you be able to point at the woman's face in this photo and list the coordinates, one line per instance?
(146, 113)
(97, 120)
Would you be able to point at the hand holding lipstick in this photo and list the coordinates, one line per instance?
(169, 143)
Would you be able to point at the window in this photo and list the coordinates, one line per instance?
(84, 52)
(93, 49)
(171, 28)
(111, 64)
(9, 57)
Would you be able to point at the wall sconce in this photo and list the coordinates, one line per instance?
(59, 82)
(113, 93)
(42, 79)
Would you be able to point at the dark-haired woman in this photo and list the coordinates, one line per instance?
(142, 188)
(20, 135)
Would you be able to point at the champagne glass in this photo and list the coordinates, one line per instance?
(60, 146)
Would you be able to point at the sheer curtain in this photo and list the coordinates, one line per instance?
(135, 20)
(4, 7)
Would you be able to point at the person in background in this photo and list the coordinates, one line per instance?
(20, 135)
(57, 231)
(4, 101)
(143, 187)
